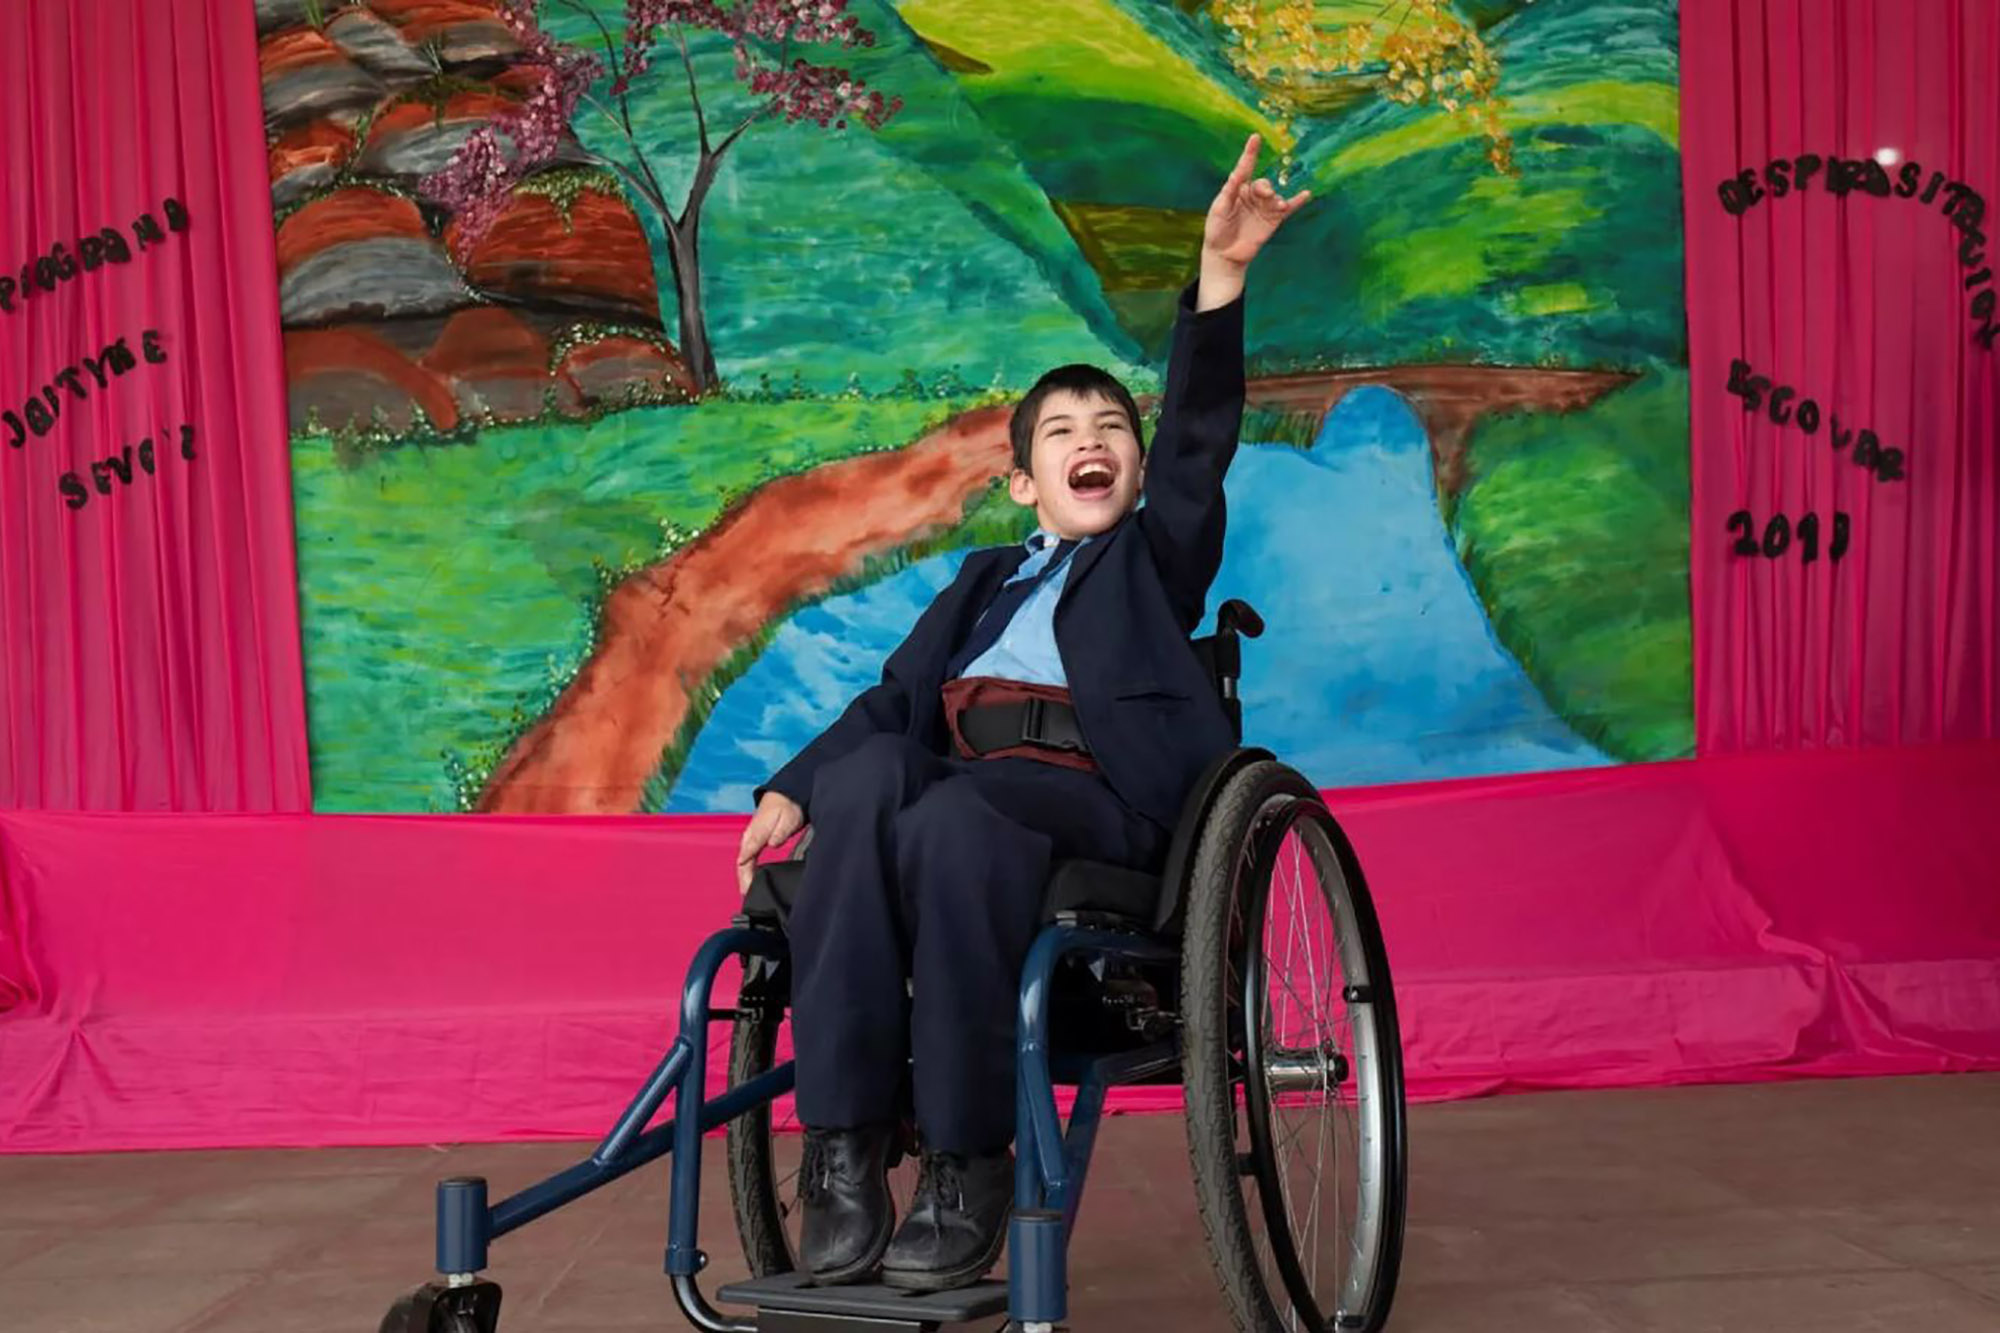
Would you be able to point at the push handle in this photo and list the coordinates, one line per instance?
(1239, 617)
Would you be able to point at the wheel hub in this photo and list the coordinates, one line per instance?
(1305, 1070)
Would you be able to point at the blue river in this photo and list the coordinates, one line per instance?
(1379, 664)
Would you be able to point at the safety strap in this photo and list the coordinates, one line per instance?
(1041, 722)
(1004, 719)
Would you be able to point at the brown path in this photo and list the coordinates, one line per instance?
(666, 629)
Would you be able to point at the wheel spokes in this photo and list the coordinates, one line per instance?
(1315, 1079)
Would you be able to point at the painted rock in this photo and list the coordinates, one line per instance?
(362, 252)
(355, 377)
(611, 370)
(305, 75)
(588, 256)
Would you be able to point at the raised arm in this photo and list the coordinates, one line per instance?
(1200, 414)
(1201, 410)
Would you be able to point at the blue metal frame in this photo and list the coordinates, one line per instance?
(1050, 1165)
(466, 1226)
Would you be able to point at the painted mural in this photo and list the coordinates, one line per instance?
(649, 365)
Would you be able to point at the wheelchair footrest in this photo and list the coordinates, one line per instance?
(789, 1294)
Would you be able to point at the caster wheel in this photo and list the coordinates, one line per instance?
(437, 1307)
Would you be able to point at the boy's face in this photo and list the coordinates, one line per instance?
(1087, 466)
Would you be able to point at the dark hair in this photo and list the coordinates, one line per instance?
(1088, 381)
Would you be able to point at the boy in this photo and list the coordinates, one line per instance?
(940, 802)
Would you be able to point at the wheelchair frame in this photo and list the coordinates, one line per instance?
(1051, 1161)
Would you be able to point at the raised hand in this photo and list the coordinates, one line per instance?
(1247, 212)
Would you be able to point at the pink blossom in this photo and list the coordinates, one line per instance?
(824, 94)
(537, 47)
(476, 183)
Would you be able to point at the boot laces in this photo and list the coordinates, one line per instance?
(943, 1178)
(815, 1171)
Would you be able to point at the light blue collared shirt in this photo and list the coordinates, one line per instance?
(1026, 650)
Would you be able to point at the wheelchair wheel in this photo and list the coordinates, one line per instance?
(1292, 1064)
(437, 1307)
(766, 1146)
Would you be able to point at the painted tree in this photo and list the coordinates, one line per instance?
(1415, 51)
(765, 36)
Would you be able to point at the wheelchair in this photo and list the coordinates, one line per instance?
(1251, 971)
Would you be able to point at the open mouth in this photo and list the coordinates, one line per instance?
(1093, 478)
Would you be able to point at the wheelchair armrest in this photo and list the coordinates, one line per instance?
(772, 891)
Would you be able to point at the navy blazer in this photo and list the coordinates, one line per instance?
(1133, 598)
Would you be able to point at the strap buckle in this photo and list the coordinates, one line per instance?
(1040, 728)
(1032, 717)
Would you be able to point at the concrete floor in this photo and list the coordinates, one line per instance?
(1858, 1205)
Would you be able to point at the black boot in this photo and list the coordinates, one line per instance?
(844, 1185)
(957, 1223)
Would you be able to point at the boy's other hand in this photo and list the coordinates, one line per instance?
(777, 822)
(1247, 212)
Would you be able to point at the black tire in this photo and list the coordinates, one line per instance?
(754, 1173)
(437, 1308)
(1263, 810)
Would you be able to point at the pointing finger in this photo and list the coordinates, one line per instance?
(1246, 164)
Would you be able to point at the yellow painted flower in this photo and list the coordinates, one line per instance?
(1430, 53)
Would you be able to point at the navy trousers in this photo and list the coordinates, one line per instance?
(932, 869)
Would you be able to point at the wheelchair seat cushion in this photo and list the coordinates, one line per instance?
(1084, 887)
(1095, 888)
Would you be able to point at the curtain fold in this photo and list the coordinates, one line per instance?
(1651, 924)
(147, 583)
(1842, 163)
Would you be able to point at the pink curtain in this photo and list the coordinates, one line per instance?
(1842, 167)
(385, 979)
(147, 588)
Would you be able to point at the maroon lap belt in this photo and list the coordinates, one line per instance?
(1010, 719)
